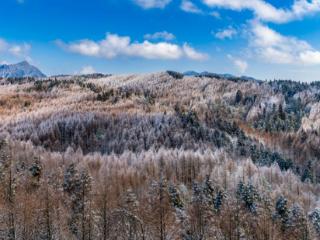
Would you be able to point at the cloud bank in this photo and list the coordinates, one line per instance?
(277, 48)
(267, 12)
(116, 46)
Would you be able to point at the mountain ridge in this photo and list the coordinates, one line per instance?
(218, 75)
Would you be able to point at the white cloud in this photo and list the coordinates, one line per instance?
(304, 7)
(192, 53)
(83, 47)
(310, 57)
(147, 4)
(189, 7)
(17, 50)
(229, 32)
(240, 64)
(267, 12)
(276, 48)
(115, 46)
(160, 35)
(215, 14)
(87, 70)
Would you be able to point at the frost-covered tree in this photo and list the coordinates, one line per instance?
(249, 195)
(297, 223)
(8, 186)
(314, 217)
(282, 212)
(78, 186)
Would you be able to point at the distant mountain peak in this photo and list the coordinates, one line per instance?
(23, 63)
(20, 70)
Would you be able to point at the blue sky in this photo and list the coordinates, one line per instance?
(266, 39)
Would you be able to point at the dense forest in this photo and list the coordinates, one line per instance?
(159, 156)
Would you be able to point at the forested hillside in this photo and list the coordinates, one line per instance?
(159, 156)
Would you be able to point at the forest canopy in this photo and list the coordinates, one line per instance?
(159, 156)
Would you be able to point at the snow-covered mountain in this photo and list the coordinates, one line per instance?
(22, 69)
